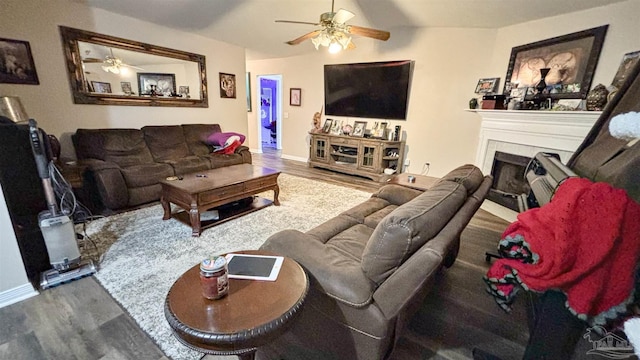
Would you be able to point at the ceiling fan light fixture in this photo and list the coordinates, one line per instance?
(335, 47)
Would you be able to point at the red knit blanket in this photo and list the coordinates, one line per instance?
(585, 242)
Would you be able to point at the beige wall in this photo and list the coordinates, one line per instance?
(51, 104)
(448, 64)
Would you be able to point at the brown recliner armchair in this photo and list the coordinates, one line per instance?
(371, 266)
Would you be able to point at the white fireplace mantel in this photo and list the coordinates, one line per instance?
(527, 132)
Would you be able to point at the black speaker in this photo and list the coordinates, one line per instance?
(396, 133)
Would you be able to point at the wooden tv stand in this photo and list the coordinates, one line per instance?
(366, 157)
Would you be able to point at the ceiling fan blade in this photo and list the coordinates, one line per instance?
(297, 22)
(133, 67)
(92, 60)
(351, 45)
(367, 32)
(304, 37)
(342, 16)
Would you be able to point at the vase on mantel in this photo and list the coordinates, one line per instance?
(597, 98)
(539, 97)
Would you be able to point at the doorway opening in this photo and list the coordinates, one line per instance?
(270, 111)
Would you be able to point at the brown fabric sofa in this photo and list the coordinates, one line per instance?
(124, 166)
(371, 266)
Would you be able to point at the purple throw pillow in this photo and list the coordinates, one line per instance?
(220, 138)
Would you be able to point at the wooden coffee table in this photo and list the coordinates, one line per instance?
(252, 314)
(208, 189)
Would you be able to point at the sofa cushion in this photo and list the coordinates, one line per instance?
(468, 175)
(222, 160)
(188, 164)
(196, 136)
(146, 174)
(166, 142)
(409, 227)
(125, 147)
(89, 144)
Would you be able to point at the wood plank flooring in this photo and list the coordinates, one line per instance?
(80, 320)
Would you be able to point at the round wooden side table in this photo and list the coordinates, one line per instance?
(252, 314)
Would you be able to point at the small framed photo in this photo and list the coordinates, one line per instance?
(359, 128)
(101, 87)
(487, 85)
(336, 127)
(184, 91)
(379, 130)
(227, 86)
(16, 63)
(327, 126)
(126, 87)
(295, 96)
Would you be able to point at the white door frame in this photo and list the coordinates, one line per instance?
(278, 79)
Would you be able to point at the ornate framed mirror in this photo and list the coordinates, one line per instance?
(106, 70)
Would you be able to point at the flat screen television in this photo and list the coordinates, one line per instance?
(378, 90)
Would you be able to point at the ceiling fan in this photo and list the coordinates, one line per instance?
(110, 63)
(334, 32)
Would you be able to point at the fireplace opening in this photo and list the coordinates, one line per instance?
(509, 182)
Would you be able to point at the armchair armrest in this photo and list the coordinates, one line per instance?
(329, 270)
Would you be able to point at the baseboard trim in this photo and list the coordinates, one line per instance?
(295, 158)
(17, 294)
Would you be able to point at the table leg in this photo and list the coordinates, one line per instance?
(167, 208)
(276, 192)
(194, 216)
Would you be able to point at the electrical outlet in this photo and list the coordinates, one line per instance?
(407, 162)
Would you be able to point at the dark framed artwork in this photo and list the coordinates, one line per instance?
(156, 84)
(571, 58)
(487, 85)
(628, 61)
(101, 87)
(16, 63)
(295, 96)
(227, 86)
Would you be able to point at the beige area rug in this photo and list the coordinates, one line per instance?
(144, 255)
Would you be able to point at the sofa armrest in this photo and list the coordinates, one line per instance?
(246, 154)
(330, 272)
(409, 283)
(107, 179)
(396, 194)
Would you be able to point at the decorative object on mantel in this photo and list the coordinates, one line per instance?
(541, 87)
(572, 59)
(628, 61)
(473, 103)
(493, 102)
(17, 63)
(597, 98)
(487, 85)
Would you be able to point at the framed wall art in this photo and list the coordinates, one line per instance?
(628, 61)
(571, 58)
(16, 63)
(156, 84)
(101, 87)
(126, 87)
(227, 86)
(295, 96)
(487, 85)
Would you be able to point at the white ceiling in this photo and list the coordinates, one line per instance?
(251, 23)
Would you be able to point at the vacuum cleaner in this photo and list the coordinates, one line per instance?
(57, 228)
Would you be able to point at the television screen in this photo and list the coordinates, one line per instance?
(378, 90)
